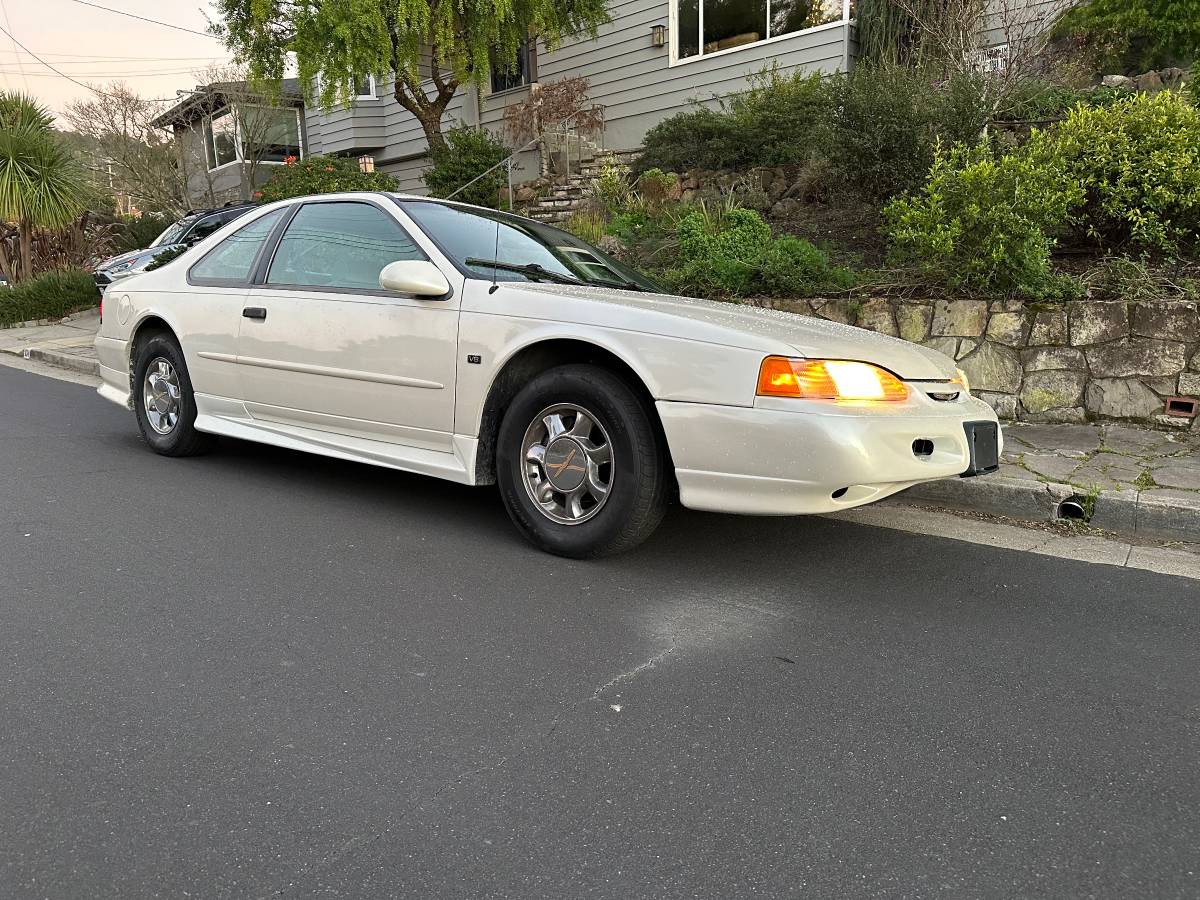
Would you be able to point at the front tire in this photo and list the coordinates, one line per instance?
(163, 400)
(580, 466)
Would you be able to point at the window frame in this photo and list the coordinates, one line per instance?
(209, 136)
(528, 53)
(374, 94)
(675, 59)
(200, 281)
(263, 264)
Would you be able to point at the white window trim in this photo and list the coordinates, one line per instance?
(210, 150)
(673, 34)
(374, 95)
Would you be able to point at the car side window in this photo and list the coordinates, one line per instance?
(204, 228)
(341, 245)
(233, 258)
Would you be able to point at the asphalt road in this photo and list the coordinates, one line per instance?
(258, 673)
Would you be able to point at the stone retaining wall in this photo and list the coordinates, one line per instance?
(1067, 362)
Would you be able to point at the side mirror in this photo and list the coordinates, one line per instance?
(414, 276)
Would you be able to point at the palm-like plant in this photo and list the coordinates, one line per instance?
(41, 184)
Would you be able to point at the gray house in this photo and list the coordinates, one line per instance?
(230, 137)
(654, 59)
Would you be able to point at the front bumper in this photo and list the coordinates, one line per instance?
(786, 457)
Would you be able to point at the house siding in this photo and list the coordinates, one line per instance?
(634, 81)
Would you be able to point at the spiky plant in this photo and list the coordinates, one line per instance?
(40, 181)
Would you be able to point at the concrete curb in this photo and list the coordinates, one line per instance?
(1139, 513)
(70, 361)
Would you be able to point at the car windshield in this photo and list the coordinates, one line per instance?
(173, 233)
(523, 250)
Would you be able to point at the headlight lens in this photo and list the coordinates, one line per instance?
(828, 379)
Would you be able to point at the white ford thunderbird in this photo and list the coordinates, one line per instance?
(485, 348)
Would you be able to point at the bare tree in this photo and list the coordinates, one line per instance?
(239, 119)
(127, 154)
(1003, 40)
(560, 108)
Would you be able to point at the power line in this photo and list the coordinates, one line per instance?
(162, 74)
(69, 58)
(121, 12)
(86, 87)
(4, 9)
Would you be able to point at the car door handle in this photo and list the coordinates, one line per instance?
(254, 312)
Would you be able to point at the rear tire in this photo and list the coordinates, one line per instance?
(163, 400)
(579, 463)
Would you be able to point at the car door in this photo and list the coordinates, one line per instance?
(322, 346)
(210, 318)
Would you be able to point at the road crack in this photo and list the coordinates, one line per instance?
(633, 673)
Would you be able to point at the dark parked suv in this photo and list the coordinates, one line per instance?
(192, 228)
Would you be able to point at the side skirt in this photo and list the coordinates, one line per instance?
(217, 415)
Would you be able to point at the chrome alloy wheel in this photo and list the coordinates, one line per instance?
(161, 395)
(568, 464)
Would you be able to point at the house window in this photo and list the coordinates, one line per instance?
(505, 78)
(704, 27)
(242, 133)
(270, 134)
(220, 138)
(362, 88)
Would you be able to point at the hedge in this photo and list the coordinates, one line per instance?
(49, 296)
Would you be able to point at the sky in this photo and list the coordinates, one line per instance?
(96, 46)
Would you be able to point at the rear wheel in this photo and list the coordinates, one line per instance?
(580, 465)
(163, 400)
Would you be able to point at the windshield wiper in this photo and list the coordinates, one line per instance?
(533, 270)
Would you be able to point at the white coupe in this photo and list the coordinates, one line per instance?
(482, 347)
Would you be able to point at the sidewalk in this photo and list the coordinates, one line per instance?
(67, 343)
(1121, 478)
(1127, 479)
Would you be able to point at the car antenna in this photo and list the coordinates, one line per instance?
(495, 258)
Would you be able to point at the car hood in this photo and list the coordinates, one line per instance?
(768, 330)
(123, 257)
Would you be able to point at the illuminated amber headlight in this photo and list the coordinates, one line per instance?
(827, 379)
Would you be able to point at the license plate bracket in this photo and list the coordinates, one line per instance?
(983, 442)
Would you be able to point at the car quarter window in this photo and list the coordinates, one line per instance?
(340, 245)
(233, 258)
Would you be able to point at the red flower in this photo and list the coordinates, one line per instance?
(290, 161)
(258, 195)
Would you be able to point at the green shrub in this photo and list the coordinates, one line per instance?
(701, 139)
(983, 224)
(733, 252)
(48, 296)
(1035, 99)
(656, 186)
(1138, 162)
(321, 175)
(774, 123)
(611, 187)
(137, 233)
(586, 224)
(886, 123)
(468, 153)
